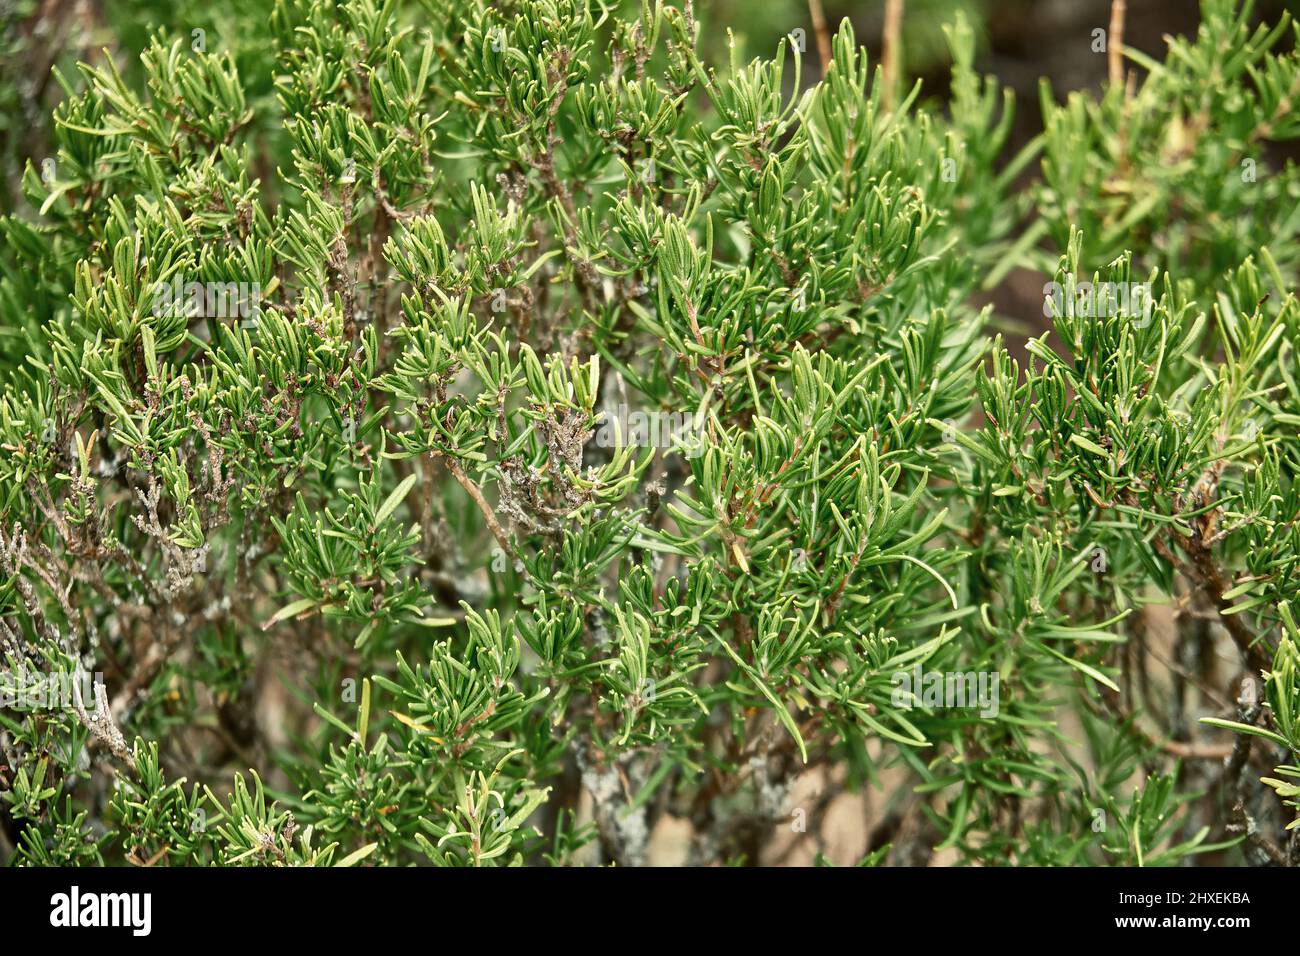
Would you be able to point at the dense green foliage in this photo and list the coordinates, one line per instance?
(572, 433)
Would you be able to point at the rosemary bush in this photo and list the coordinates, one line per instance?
(468, 433)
